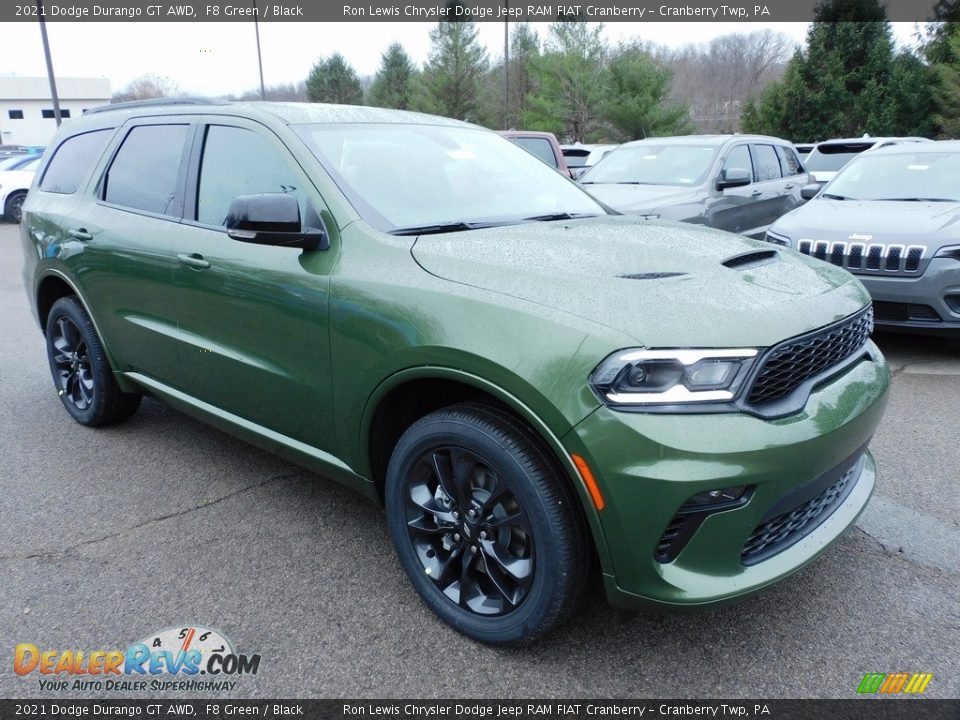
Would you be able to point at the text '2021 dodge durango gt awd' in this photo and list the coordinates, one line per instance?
(425, 312)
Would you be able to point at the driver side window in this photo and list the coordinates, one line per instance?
(739, 158)
(236, 162)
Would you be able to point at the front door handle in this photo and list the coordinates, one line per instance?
(756, 193)
(193, 260)
(80, 234)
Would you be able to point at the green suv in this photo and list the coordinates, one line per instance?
(537, 391)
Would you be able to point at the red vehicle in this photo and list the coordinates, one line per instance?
(543, 145)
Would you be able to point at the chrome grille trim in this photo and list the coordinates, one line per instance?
(861, 257)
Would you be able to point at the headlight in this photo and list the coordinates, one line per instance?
(667, 377)
(777, 239)
(949, 252)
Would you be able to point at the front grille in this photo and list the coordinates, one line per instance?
(777, 534)
(866, 257)
(902, 312)
(790, 364)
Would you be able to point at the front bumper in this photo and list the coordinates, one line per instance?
(648, 465)
(938, 288)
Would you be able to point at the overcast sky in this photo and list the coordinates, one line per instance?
(220, 58)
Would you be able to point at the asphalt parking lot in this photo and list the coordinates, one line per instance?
(109, 535)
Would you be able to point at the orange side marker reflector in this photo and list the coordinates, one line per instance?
(589, 480)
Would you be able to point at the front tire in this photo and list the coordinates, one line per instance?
(488, 533)
(13, 210)
(81, 372)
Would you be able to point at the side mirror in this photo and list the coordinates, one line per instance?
(272, 219)
(809, 192)
(734, 177)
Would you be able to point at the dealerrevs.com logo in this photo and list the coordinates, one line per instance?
(188, 658)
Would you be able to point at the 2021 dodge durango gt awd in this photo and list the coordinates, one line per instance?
(423, 311)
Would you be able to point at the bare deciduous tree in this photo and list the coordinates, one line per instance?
(717, 79)
(148, 86)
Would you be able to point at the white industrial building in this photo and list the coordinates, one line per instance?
(26, 108)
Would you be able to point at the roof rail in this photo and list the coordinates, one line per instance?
(156, 102)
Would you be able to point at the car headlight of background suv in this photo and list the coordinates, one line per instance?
(777, 239)
(641, 378)
(952, 252)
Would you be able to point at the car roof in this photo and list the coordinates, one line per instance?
(526, 133)
(914, 148)
(870, 140)
(288, 113)
(714, 140)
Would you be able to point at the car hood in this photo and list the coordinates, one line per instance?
(663, 284)
(931, 224)
(638, 199)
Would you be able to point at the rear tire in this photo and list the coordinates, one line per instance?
(491, 537)
(81, 372)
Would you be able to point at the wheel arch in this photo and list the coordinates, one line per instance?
(53, 285)
(410, 394)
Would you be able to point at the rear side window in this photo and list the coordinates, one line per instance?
(237, 162)
(540, 147)
(73, 159)
(145, 174)
(789, 161)
(767, 164)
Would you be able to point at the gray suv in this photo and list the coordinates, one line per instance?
(892, 218)
(740, 183)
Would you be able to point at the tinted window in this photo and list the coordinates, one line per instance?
(73, 159)
(833, 156)
(540, 147)
(144, 174)
(738, 158)
(789, 161)
(237, 162)
(767, 164)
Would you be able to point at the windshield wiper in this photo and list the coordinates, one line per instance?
(558, 216)
(916, 199)
(438, 228)
(831, 196)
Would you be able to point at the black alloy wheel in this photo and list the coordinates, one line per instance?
(486, 527)
(71, 364)
(469, 531)
(82, 375)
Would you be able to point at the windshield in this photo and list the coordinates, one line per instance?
(654, 164)
(830, 158)
(903, 176)
(404, 177)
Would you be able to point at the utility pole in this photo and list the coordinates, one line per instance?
(256, 29)
(506, 66)
(46, 54)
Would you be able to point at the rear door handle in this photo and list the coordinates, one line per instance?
(756, 193)
(790, 186)
(193, 260)
(80, 234)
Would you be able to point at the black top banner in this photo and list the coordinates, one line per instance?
(433, 11)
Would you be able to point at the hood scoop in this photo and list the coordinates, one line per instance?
(651, 275)
(751, 259)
